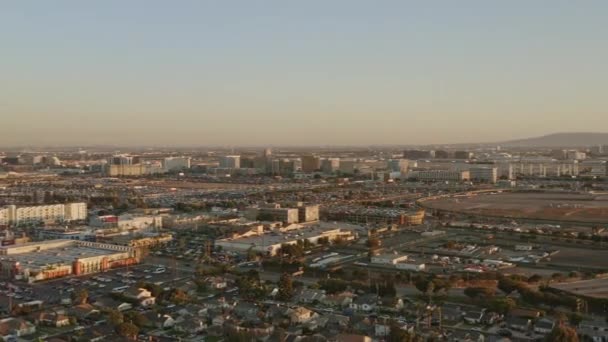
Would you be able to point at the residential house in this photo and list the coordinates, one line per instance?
(192, 325)
(365, 303)
(50, 319)
(474, 316)
(159, 320)
(309, 296)
(519, 323)
(490, 318)
(353, 338)
(452, 313)
(382, 330)
(11, 328)
(301, 315)
(527, 313)
(111, 304)
(246, 310)
(84, 311)
(339, 300)
(142, 296)
(544, 326)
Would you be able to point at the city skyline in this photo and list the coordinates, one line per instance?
(343, 73)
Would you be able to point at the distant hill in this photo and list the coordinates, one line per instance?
(561, 140)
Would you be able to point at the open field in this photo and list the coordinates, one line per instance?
(529, 205)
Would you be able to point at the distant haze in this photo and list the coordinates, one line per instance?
(345, 72)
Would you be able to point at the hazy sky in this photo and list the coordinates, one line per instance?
(300, 72)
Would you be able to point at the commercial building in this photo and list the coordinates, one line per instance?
(463, 155)
(286, 215)
(410, 266)
(308, 213)
(13, 215)
(311, 163)
(230, 162)
(388, 259)
(398, 165)
(330, 165)
(270, 243)
(484, 174)
(418, 154)
(50, 259)
(176, 163)
(440, 175)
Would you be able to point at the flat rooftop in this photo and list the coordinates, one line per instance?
(274, 238)
(595, 288)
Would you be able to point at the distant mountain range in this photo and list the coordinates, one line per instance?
(580, 139)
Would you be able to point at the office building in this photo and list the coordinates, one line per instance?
(484, 174)
(230, 162)
(442, 154)
(417, 154)
(176, 163)
(308, 213)
(398, 165)
(311, 163)
(463, 155)
(440, 175)
(330, 165)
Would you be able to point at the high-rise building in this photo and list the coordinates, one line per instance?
(442, 154)
(13, 215)
(176, 163)
(330, 165)
(311, 163)
(230, 162)
(398, 165)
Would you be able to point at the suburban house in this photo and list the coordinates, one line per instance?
(366, 303)
(15, 327)
(544, 326)
(141, 295)
(519, 323)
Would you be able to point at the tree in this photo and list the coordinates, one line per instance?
(479, 292)
(399, 335)
(502, 305)
(562, 333)
(128, 330)
(373, 243)
(115, 317)
(285, 287)
(80, 297)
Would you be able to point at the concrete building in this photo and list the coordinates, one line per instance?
(440, 175)
(388, 259)
(286, 215)
(418, 154)
(463, 155)
(484, 174)
(176, 163)
(308, 213)
(13, 215)
(330, 165)
(230, 162)
(398, 165)
(311, 163)
(271, 243)
(347, 166)
(50, 259)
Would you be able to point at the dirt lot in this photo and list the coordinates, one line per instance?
(546, 206)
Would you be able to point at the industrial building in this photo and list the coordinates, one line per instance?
(50, 259)
(13, 215)
(388, 259)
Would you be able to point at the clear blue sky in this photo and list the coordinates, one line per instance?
(300, 72)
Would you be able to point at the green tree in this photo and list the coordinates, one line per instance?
(115, 317)
(479, 292)
(128, 330)
(285, 287)
(80, 296)
(502, 305)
